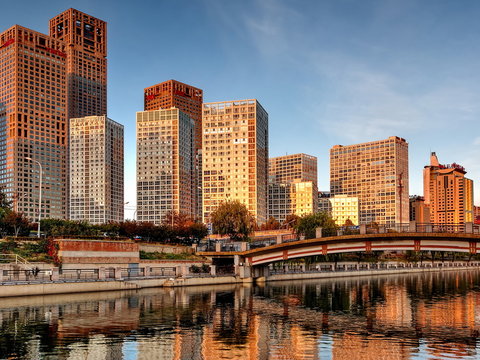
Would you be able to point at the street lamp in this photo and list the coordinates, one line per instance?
(39, 194)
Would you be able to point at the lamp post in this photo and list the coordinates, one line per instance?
(39, 194)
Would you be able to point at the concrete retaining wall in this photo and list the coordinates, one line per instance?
(63, 288)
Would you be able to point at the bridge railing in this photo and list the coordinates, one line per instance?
(280, 269)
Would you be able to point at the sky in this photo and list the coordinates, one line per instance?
(328, 72)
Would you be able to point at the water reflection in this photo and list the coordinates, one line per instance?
(424, 316)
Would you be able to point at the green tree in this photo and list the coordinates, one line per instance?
(307, 224)
(232, 218)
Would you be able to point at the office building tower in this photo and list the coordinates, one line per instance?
(235, 156)
(293, 168)
(292, 187)
(377, 173)
(447, 192)
(33, 122)
(189, 100)
(85, 38)
(96, 170)
(297, 198)
(165, 164)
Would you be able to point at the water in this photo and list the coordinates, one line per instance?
(418, 316)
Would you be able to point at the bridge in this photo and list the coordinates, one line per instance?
(464, 238)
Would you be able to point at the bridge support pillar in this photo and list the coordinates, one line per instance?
(469, 228)
(218, 246)
(243, 246)
(318, 232)
(246, 271)
(303, 267)
(213, 270)
(428, 228)
(1, 274)
(279, 239)
(363, 229)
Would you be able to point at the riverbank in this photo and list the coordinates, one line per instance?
(88, 285)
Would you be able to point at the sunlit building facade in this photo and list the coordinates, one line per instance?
(299, 198)
(165, 164)
(85, 38)
(377, 173)
(188, 99)
(235, 156)
(293, 168)
(344, 208)
(447, 192)
(96, 170)
(33, 121)
(419, 211)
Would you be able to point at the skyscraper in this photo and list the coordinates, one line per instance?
(292, 186)
(293, 168)
(33, 121)
(96, 169)
(86, 40)
(235, 156)
(189, 100)
(165, 164)
(447, 192)
(377, 173)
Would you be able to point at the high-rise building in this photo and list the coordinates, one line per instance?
(96, 169)
(298, 198)
(292, 187)
(419, 211)
(33, 121)
(448, 193)
(377, 173)
(293, 168)
(188, 99)
(86, 40)
(165, 164)
(235, 156)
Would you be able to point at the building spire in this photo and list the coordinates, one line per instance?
(434, 159)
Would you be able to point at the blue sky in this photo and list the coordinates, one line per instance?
(327, 72)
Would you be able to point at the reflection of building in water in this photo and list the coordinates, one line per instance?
(348, 346)
(396, 310)
(233, 334)
(295, 344)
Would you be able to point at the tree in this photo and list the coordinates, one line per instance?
(271, 224)
(16, 223)
(291, 221)
(307, 224)
(232, 218)
(348, 222)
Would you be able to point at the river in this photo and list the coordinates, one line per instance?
(415, 316)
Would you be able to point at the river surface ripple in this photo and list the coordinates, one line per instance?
(416, 316)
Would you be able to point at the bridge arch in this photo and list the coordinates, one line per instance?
(465, 243)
